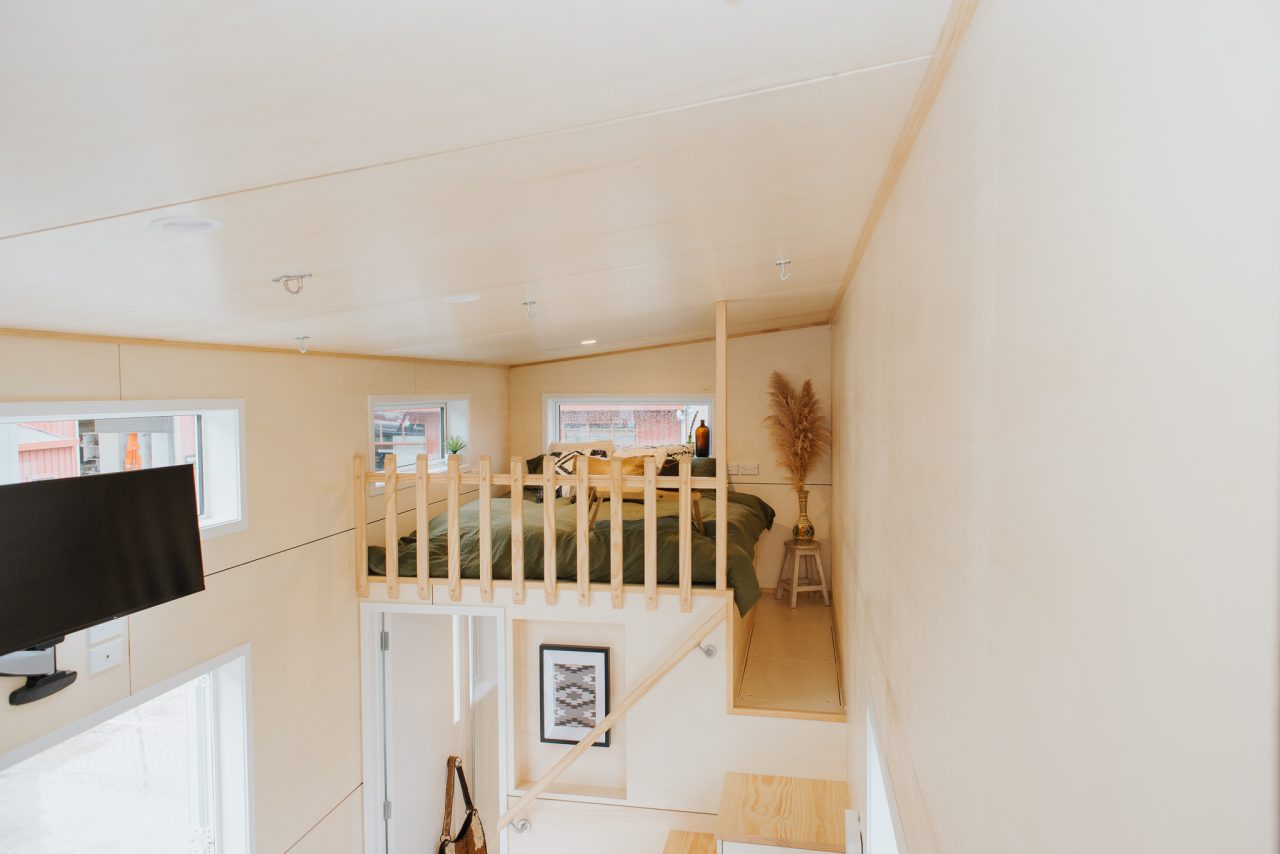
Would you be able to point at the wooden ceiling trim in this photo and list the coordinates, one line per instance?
(953, 30)
(708, 340)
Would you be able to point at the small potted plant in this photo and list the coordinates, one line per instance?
(454, 445)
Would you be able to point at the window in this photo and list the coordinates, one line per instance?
(408, 430)
(628, 421)
(408, 427)
(169, 774)
(44, 441)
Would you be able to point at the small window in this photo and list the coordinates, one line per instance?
(408, 430)
(47, 441)
(627, 421)
(168, 774)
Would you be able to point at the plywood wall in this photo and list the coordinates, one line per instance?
(284, 585)
(690, 369)
(1058, 377)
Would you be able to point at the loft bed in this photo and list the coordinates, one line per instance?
(747, 518)
(652, 548)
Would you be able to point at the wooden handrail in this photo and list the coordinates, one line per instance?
(631, 482)
(633, 697)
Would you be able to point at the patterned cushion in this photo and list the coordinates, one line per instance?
(565, 464)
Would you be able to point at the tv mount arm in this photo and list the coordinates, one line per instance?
(40, 665)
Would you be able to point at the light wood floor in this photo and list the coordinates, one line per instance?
(791, 659)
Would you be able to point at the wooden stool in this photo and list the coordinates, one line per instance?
(803, 579)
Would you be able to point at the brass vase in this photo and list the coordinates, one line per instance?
(803, 528)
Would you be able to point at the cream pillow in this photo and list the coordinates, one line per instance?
(661, 453)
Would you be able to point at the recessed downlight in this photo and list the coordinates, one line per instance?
(588, 342)
(186, 224)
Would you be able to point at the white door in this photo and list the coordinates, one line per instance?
(426, 707)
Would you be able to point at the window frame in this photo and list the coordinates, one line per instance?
(457, 421)
(232, 736)
(222, 436)
(551, 403)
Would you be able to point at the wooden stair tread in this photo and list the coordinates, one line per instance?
(790, 812)
(688, 842)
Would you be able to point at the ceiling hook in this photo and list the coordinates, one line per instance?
(292, 283)
(302, 342)
(530, 309)
(783, 272)
(707, 649)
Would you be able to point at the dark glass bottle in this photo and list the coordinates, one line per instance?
(702, 440)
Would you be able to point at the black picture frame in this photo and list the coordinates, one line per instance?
(557, 735)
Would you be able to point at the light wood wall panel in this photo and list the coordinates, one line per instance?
(1058, 381)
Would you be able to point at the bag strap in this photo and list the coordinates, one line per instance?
(446, 831)
(454, 766)
(466, 791)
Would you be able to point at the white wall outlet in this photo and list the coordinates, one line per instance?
(733, 468)
(106, 631)
(749, 468)
(105, 656)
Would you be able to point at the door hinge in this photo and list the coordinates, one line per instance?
(384, 640)
(386, 810)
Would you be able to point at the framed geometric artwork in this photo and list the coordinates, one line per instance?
(574, 691)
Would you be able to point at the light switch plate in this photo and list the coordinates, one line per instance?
(105, 656)
(749, 468)
(733, 468)
(106, 631)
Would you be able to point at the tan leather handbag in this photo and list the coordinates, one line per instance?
(470, 838)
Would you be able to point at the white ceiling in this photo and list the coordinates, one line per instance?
(624, 164)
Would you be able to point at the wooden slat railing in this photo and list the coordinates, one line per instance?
(484, 480)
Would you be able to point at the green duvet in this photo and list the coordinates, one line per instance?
(748, 518)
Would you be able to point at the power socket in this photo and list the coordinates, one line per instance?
(749, 468)
(105, 656)
(732, 468)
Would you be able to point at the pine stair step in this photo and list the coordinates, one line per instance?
(785, 812)
(688, 842)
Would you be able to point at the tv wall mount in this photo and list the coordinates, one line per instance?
(40, 665)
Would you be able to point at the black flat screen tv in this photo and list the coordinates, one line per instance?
(84, 550)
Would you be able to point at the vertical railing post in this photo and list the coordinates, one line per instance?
(549, 530)
(360, 510)
(650, 533)
(390, 483)
(455, 526)
(722, 443)
(686, 536)
(517, 530)
(582, 492)
(422, 502)
(486, 529)
(615, 531)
